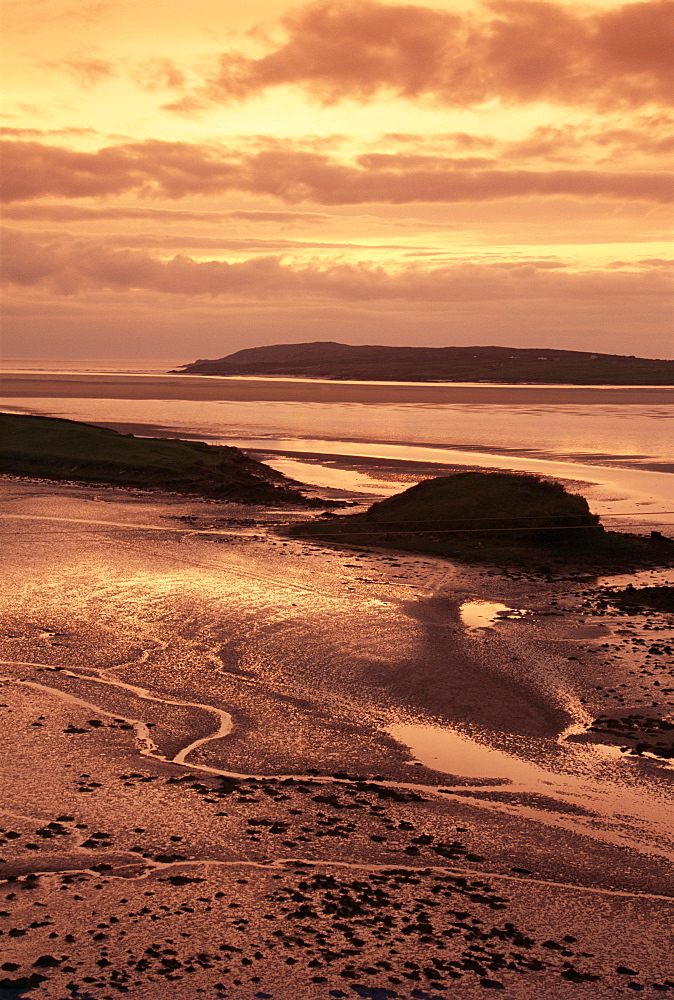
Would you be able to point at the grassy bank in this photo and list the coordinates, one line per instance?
(51, 448)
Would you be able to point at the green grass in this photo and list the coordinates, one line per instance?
(501, 519)
(51, 448)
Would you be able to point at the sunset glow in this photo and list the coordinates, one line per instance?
(184, 181)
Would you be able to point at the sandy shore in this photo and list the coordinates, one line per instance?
(175, 387)
(202, 796)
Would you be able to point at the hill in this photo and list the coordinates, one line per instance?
(497, 518)
(51, 448)
(437, 364)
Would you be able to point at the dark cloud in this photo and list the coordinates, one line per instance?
(510, 50)
(235, 244)
(67, 266)
(178, 169)
(40, 212)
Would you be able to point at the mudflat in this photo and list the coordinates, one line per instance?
(174, 387)
(242, 765)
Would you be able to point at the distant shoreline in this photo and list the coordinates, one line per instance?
(379, 362)
(279, 389)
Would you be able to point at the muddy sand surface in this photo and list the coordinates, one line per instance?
(238, 765)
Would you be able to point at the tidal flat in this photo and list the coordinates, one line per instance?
(244, 765)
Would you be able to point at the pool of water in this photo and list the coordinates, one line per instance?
(477, 615)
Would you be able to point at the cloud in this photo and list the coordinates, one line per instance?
(282, 218)
(145, 324)
(404, 162)
(87, 72)
(463, 140)
(177, 169)
(159, 74)
(234, 244)
(42, 133)
(40, 212)
(646, 135)
(515, 51)
(580, 141)
(67, 266)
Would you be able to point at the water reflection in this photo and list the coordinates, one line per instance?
(326, 476)
(618, 454)
(604, 791)
(453, 752)
(628, 486)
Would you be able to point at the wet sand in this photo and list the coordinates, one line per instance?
(240, 765)
(199, 387)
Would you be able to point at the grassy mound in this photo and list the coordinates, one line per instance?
(51, 448)
(499, 518)
(521, 506)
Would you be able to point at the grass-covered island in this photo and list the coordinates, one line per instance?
(496, 518)
(52, 448)
(382, 363)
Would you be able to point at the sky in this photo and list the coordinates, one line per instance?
(185, 180)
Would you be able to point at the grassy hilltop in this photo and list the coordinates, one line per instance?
(51, 448)
(497, 518)
(438, 364)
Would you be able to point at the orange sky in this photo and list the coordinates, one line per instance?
(183, 180)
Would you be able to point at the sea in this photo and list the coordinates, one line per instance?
(612, 444)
